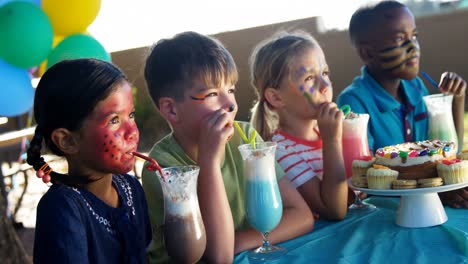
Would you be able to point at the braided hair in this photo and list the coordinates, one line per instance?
(66, 94)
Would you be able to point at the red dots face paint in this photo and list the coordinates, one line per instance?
(109, 135)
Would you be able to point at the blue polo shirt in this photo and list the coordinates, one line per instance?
(390, 122)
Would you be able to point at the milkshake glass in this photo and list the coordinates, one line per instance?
(355, 144)
(355, 147)
(441, 126)
(184, 231)
(263, 199)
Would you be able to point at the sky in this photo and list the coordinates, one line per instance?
(125, 24)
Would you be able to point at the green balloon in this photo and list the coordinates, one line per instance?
(25, 34)
(75, 47)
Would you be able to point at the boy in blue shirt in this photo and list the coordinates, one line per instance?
(389, 90)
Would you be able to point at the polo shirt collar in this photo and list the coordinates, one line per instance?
(385, 102)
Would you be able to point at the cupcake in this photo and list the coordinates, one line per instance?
(380, 177)
(453, 171)
(360, 166)
(463, 155)
(359, 169)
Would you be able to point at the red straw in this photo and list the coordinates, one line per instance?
(153, 166)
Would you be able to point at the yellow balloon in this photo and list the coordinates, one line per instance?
(71, 16)
(42, 68)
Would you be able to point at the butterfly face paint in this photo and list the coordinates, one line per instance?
(396, 59)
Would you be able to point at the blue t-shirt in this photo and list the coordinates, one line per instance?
(390, 122)
(74, 226)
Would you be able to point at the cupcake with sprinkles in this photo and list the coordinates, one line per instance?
(453, 171)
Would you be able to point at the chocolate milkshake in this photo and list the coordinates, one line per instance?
(184, 231)
(184, 238)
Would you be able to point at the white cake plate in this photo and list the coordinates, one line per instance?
(419, 207)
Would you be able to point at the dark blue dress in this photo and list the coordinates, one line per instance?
(74, 226)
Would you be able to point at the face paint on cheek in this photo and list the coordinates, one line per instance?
(394, 58)
(198, 98)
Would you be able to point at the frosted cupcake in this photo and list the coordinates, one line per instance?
(360, 166)
(453, 171)
(380, 177)
(359, 169)
(463, 155)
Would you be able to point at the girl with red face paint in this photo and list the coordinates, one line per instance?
(96, 212)
(295, 109)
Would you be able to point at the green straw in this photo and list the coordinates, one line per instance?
(250, 140)
(346, 109)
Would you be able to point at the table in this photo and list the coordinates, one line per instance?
(373, 237)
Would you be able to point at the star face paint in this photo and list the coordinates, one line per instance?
(110, 134)
(397, 58)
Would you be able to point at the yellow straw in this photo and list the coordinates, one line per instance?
(250, 140)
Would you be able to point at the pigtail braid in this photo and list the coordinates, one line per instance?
(34, 151)
(264, 120)
(35, 159)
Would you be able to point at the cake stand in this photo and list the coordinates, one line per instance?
(419, 207)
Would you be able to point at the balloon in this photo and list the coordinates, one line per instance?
(75, 47)
(25, 34)
(71, 16)
(16, 92)
(42, 68)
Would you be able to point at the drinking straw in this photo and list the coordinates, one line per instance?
(250, 140)
(430, 80)
(154, 165)
(346, 109)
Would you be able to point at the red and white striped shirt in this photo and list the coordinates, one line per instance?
(300, 159)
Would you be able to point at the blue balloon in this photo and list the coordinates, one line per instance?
(16, 91)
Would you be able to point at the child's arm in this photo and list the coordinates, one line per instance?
(297, 220)
(453, 84)
(329, 197)
(214, 205)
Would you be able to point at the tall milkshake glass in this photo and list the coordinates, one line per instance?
(184, 231)
(441, 125)
(263, 199)
(355, 144)
(355, 147)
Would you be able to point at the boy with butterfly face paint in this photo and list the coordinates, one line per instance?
(388, 89)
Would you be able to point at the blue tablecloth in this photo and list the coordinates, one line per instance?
(373, 237)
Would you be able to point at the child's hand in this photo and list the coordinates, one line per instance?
(452, 83)
(330, 120)
(215, 130)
